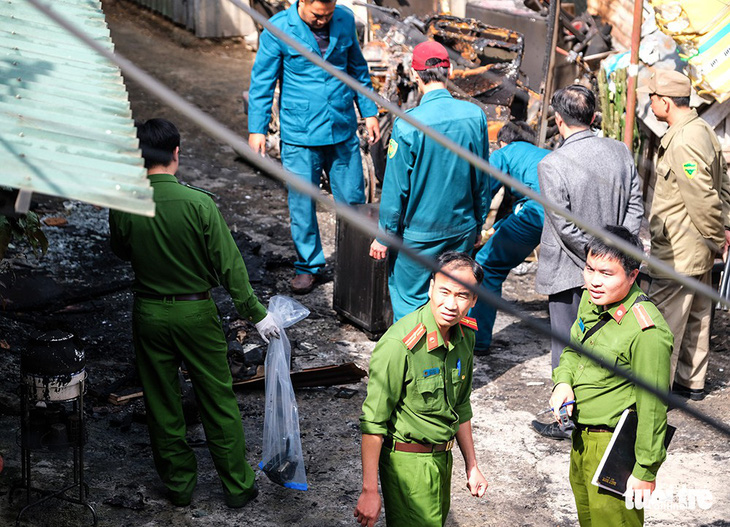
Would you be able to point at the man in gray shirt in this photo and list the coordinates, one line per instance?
(595, 179)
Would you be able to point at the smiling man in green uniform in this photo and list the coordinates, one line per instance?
(619, 324)
(177, 257)
(418, 402)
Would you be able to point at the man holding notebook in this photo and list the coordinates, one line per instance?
(619, 324)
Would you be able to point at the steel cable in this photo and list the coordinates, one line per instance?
(349, 214)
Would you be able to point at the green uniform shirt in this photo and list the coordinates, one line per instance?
(185, 248)
(419, 388)
(636, 340)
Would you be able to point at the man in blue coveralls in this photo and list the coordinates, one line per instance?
(516, 235)
(318, 120)
(433, 198)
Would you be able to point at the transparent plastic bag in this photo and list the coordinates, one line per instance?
(282, 459)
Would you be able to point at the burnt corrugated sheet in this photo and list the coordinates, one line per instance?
(221, 18)
(179, 11)
(66, 126)
(206, 18)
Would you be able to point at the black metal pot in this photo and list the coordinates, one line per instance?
(52, 354)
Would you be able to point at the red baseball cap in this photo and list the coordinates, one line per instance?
(430, 50)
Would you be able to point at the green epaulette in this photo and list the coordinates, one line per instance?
(212, 195)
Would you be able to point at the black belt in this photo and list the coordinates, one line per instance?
(417, 448)
(176, 298)
(595, 428)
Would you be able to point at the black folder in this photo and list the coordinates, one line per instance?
(619, 459)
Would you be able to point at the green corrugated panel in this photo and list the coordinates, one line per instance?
(113, 103)
(66, 127)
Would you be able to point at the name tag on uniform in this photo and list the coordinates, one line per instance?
(431, 371)
(581, 325)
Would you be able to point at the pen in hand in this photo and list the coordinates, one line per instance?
(566, 403)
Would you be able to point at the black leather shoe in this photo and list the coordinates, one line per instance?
(551, 430)
(689, 393)
(179, 500)
(236, 502)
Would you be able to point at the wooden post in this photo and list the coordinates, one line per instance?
(632, 73)
(548, 72)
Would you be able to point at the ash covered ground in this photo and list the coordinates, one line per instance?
(79, 286)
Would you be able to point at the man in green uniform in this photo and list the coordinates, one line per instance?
(689, 222)
(418, 402)
(619, 324)
(177, 257)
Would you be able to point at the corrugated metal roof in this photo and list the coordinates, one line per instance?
(66, 126)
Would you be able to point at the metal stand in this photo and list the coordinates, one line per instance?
(75, 440)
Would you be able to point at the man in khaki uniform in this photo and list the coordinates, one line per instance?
(689, 223)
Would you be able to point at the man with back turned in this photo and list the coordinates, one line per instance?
(177, 257)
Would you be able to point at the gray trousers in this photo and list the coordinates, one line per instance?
(563, 310)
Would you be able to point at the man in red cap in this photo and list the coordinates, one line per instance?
(432, 198)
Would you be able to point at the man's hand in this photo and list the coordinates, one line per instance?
(479, 240)
(268, 328)
(257, 142)
(368, 508)
(378, 251)
(373, 126)
(727, 244)
(561, 393)
(633, 484)
(476, 482)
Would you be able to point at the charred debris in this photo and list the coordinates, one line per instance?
(486, 61)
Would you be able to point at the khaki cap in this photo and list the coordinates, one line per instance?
(668, 83)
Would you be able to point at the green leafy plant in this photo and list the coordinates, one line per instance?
(613, 97)
(25, 230)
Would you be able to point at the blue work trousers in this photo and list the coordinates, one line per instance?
(408, 281)
(514, 238)
(342, 163)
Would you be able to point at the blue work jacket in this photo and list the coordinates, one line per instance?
(519, 159)
(315, 108)
(430, 193)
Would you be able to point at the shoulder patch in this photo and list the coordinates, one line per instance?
(212, 195)
(469, 322)
(642, 317)
(392, 148)
(414, 336)
(690, 169)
